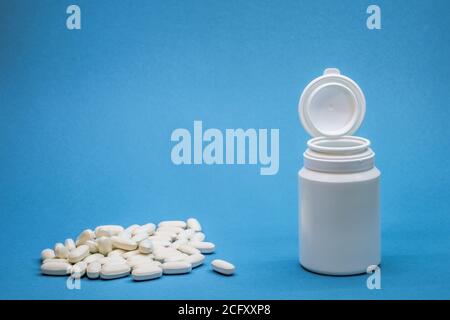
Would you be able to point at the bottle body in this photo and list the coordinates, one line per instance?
(339, 221)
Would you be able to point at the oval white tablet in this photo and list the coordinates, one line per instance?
(172, 223)
(55, 260)
(223, 267)
(70, 244)
(114, 270)
(196, 260)
(108, 230)
(146, 246)
(193, 224)
(146, 272)
(78, 270)
(93, 246)
(84, 236)
(177, 257)
(177, 267)
(204, 247)
(61, 251)
(123, 243)
(79, 253)
(150, 228)
(93, 270)
(56, 268)
(188, 249)
(104, 245)
(139, 237)
(198, 237)
(93, 257)
(47, 254)
(129, 254)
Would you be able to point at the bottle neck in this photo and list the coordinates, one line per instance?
(345, 154)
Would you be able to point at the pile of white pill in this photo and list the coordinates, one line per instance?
(144, 251)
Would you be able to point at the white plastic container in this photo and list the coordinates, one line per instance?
(339, 219)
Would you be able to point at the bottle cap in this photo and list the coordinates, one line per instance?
(331, 105)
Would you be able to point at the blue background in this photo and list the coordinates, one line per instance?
(86, 118)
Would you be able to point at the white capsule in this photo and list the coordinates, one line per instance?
(223, 267)
(84, 236)
(79, 253)
(193, 224)
(139, 237)
(93, 270)
(104, 245)
(177, 267)
(78, 270)
(108, 230)
(61, 251)
(56, 268)
(198, 237)
(195, 260)
(146, 246)
(47, 254)
(188, 249)
(114, 270)
(123, 243)
(129, 254)
(147, 272)
(93, 257)
(93, 246)
(70, 244)
(174, 223)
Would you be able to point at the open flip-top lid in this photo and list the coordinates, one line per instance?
(332, 105)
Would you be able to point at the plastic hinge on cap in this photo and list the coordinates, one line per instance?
(331, 71)
(331, 105)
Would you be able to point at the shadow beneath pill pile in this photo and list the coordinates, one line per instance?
(176, 275)
(118, 278)
(131, 280)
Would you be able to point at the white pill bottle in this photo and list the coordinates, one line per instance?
(339, 215)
